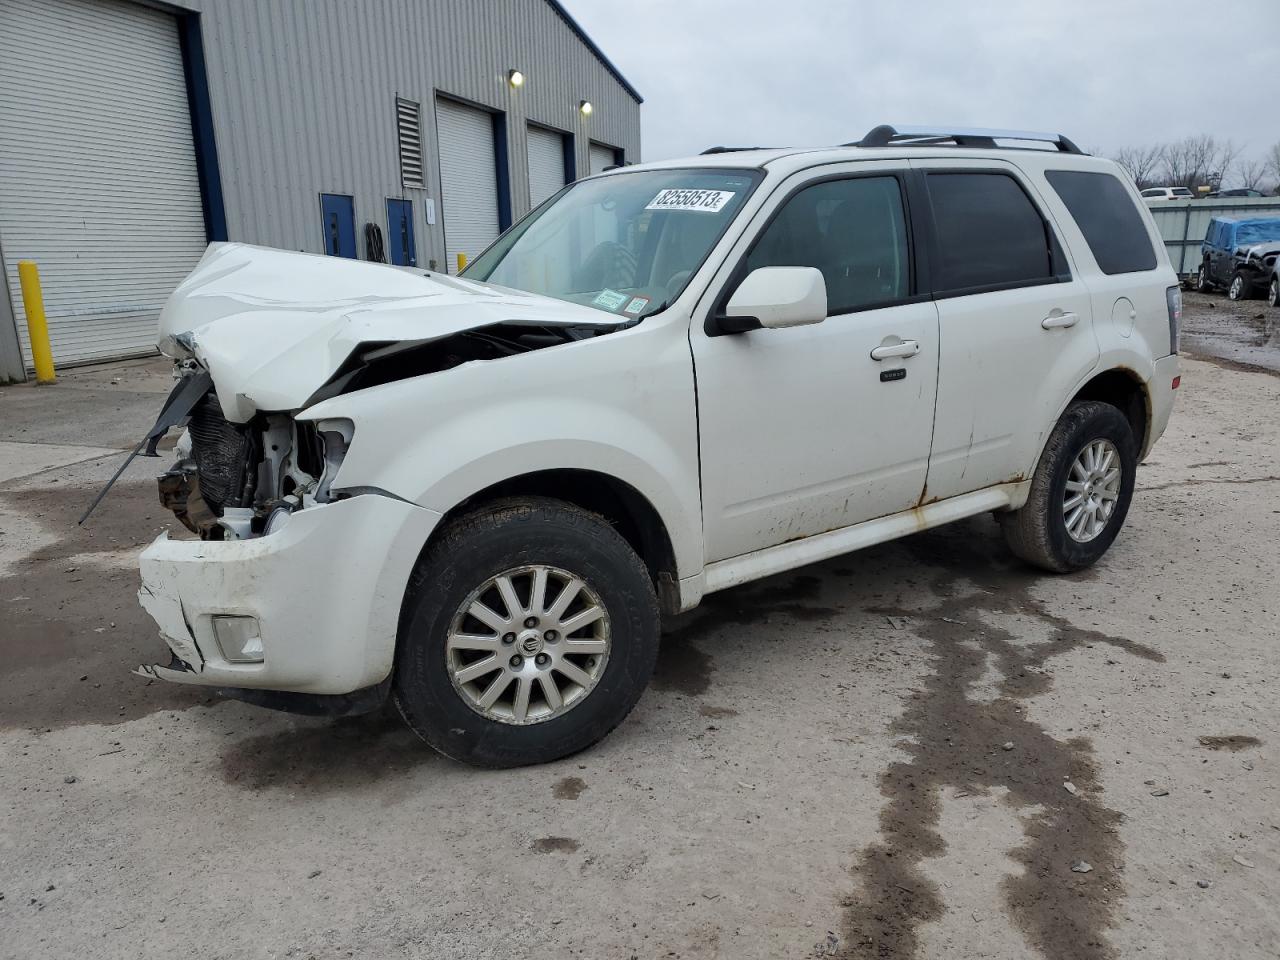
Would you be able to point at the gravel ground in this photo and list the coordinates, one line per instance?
(1245, 333)
(920, 750)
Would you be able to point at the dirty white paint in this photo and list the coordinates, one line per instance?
(787, 452)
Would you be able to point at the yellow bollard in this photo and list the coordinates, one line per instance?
(462, 262)
(37, 325)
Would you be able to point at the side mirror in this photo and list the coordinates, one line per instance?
(776, 297)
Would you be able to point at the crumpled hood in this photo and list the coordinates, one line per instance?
(272, 326)
(1264, 249)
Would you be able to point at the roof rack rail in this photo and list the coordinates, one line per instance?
(887, 135)
(710, 150)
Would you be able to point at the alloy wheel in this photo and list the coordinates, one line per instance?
(528, 645)
(1093, 490)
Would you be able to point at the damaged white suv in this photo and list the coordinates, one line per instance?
(477, 494)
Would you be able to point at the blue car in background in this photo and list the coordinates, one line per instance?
(1239, 255)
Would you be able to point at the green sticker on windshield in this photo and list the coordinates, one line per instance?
(609, 299)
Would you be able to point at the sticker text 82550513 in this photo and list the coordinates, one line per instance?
(702, 201)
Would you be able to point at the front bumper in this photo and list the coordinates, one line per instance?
(325, 588)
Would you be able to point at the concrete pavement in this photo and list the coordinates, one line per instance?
(898, 753)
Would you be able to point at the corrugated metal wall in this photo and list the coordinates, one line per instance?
(1182, 223)
(303, 100)
(98, 180)
(303, 95)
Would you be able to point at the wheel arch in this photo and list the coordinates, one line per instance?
(1123, 389)
(626, 509)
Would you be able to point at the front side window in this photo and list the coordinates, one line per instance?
(853, 230)
(1105, 214)
(627, 244)
(989, 234)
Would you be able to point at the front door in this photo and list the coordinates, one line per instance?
(1015, 324)
(803, 430)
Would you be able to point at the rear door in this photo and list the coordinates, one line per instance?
(1014, 320)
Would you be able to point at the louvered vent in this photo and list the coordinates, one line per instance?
(409, 132)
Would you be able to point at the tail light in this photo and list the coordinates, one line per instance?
(1173, 297)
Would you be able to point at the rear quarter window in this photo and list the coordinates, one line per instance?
(1108, 218)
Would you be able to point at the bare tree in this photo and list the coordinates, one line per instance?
(1250, 173)
(1197, 161)
(1141, 163)
(1272, 161)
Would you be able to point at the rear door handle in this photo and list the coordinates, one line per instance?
(907, 348)
(1055, 320)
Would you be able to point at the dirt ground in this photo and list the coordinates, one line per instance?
(921, 750)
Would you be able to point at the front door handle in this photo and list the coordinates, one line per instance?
(1055, 320)
(906, 348)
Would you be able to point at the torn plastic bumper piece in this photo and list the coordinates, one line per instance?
(325, 589)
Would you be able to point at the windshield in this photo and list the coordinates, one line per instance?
(626, 244)
(1248, 233)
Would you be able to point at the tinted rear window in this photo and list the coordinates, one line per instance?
(1108, 218)
(989, 233)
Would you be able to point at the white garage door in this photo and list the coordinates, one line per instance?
(601, 157)
(546, 164)
(468, 180)
(98, 177)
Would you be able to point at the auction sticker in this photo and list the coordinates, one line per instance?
(702, 201)
(609, 299)
(636, 305)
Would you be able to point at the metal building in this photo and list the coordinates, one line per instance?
(133, 132)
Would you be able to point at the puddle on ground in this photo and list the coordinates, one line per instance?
(71, 629)
(333, 757)
(957, 743)
(1233, 742)
(684, 668)
(1244, 334)
(570, 788)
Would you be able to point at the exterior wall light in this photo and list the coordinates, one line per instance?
(585, 108)
(515, 78)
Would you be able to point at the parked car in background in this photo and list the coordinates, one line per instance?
(1167, 193)
(1238, 192)
(476, 494)
(1239, 256)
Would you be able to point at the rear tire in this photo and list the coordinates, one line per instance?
(541, 713)
(1273, 292)
(1241, 287)
(1202, 279)
(1047, 532)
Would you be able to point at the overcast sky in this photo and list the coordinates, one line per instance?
(1107, 73)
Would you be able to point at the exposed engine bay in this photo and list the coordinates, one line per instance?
(234, 481)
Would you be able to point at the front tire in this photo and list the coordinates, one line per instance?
(1240, 287)
(1080, 492)
(1273, 292)
(529, 631)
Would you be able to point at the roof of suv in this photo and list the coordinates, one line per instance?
(890, 143)
(790, 159)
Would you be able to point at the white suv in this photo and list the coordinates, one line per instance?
(1168, 193)
(477, 494)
